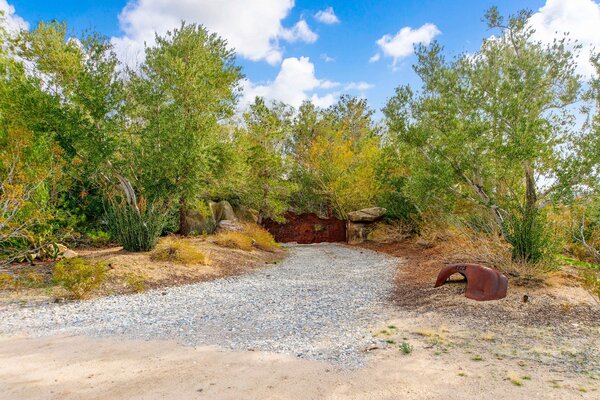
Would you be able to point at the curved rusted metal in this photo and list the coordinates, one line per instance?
(483, 283)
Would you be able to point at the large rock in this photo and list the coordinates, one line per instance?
(246, 214)
(222, 210)
(357, 232)
(230, 226)
(196, 222)
(367, 214)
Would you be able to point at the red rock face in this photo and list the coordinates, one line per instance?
(307, 228)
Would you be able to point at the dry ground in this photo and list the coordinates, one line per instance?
(125, 266)
(545, 348)
(85, 368)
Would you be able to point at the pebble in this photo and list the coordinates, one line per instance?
(320, 303)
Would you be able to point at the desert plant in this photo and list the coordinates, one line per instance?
(136, 229)
(178, 251)
(234, 240)
(136, 283)
(262, 239)
(406, 348)
(390, 232)
(79, 276)
(591, 280)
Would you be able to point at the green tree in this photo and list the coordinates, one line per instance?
(185, 87)
(336, 152)
(262, 144)
(490, 128)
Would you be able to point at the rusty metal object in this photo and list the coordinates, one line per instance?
(307, 228)
(482, 283)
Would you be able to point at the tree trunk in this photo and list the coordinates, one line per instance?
(183, 228)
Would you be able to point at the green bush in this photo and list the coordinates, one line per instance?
(79, 276)
(527, 232)
(135, 231)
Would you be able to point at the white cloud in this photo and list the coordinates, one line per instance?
(327, 58)
(361, 86)
(295, 82)
(581, 18)
(253, 28)
(375, 57)
(9, 20)
(300, 31)
(327, 16)
(402, 44)
(324, 101)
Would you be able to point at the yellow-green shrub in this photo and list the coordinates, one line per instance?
(234, 240)
(177, 251)
(79, 276)
(136, 283)
(262, 238)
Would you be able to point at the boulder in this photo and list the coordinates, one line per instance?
(246, 214)
(357, 232)
(70, 254)
(222, 211)
(367, 214)
(229, 226)
(197, 222)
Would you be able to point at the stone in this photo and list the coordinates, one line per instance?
(197, 222)
(229, 226)
(367, 214)
(69, 254)
(357, 232)
(222, 211)
(246, 214)
(227, 212)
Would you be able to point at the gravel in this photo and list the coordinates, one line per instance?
(319, 303)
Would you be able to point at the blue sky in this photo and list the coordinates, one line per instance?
(313, 57)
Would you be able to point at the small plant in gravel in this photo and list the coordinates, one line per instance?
(178, 251)
(406, 348)
(477, 358)
(79, 276)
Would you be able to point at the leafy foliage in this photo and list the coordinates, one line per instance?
(79, 276)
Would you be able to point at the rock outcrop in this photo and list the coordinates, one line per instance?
(361, 222)
(367, 214)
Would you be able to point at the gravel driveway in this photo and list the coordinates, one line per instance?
(319, 303)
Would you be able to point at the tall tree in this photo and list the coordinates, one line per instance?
(185, 87)
(491, 128)
(261, 144)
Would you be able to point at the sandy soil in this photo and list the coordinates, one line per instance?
(86, 368)
(545, 348)
(221, 262)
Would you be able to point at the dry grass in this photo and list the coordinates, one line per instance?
(262, 238)
(234, 240)
(177, 251)
(464, 244)
(251, 236)
(392, 232)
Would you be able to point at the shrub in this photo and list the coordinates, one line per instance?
(79, 276)
(391, 232)
(526, 231)
(234, 240)
(135, 231)
(98, 238)
(177, 251)
(137, 283)
(591, 280)
(262, 238)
